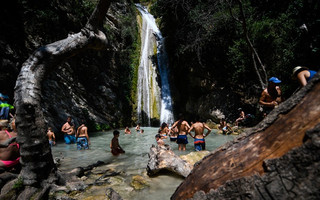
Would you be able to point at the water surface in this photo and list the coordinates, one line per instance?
(133, 162)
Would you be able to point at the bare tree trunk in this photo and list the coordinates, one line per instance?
(254, 54)
(36, 157)
(253, 50)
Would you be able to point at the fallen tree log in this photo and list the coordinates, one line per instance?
(238, 161)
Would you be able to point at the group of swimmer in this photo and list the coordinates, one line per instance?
(9, 148)
(72, 135)
(179, 131)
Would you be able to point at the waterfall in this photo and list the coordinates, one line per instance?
(153, 100)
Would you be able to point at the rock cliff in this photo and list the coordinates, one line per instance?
(93, 85)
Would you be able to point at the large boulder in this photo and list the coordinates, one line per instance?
(162, 158)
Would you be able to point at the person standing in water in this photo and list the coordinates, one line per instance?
(51, 137)
(82, 136)
(183, 127)
(159, 140)
(164, 130)
(138, 127)
(114, 145)
(68, 130)
(198, 127)
(127, 130)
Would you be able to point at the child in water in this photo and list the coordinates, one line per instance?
(159, 140)
(51, 137)
(114, 145)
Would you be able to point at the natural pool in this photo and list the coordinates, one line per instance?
(133, 162)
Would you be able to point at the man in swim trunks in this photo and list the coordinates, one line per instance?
(82, 136)
(9, 149)
(199, 142)
(51, 137)
(183, 127)
(69, 133)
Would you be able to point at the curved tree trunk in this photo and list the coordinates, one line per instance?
(247, 157)
(36, 157)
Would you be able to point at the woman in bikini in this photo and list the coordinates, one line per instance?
(9, 149)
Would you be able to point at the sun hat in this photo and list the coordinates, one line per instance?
(298, 69)
(274, 80)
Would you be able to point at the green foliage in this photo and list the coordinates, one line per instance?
(102, 127)
(204, 36)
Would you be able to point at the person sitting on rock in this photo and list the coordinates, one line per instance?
(114, 145)
(9, 148)
(271, 97)
(303, 75)
(224, 126)
(241, 117)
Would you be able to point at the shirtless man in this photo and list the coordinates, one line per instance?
(9, 149)
(271, 96)
(68, 130)
(82, 136)
(199, 142)
(183, 127)
(51, 137)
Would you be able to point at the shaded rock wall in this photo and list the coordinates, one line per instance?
(94, 85)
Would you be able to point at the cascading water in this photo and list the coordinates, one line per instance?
(150, 103)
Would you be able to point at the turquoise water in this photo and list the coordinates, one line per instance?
(133, 162)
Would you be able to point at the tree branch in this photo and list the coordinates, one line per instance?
(36, 157)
